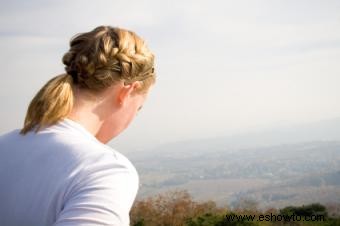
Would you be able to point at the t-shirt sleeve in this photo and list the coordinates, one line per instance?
(103, 195)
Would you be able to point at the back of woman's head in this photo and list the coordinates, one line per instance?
(96, 60)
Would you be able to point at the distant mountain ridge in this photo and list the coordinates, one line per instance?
(323, 130)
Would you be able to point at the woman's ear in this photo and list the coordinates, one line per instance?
(136, 87)
(126, 91)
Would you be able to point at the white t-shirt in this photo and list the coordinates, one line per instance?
(61, 176)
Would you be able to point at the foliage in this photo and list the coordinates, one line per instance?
(177, 208)
(308, 210)
(170, 209)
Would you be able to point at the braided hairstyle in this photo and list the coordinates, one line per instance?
(95, 61)
(100, 57)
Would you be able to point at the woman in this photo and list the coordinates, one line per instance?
(57, 169)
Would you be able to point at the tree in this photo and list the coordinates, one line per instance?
(172, 208)
(308, 210)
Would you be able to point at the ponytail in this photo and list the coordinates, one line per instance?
(53, 102)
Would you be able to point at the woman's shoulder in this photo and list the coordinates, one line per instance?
(92, 153)
(64, 146)
(9, 135)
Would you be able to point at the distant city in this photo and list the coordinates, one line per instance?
(227, 172)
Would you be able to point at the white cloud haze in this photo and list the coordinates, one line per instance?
(223, 66)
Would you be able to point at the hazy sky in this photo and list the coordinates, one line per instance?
(223, 66)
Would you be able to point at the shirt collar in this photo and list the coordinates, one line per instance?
(77, 127)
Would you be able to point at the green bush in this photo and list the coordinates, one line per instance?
(308, 210)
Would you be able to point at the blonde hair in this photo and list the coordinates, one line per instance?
(95, 61)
